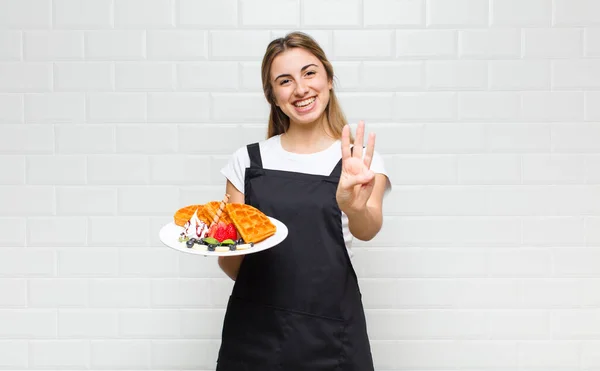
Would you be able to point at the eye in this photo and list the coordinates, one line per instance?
(283, 81)
(311, 73)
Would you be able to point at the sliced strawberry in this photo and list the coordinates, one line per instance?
(212, 230)
(221, 233)
(231, 232)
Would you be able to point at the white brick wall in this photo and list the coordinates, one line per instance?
(487, 115)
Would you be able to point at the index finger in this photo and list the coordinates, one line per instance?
(370, 150)
(345, 142)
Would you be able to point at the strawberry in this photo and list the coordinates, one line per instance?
(213, 229)
(231, 232)
(221, 233)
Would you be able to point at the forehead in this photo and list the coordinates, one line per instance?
(292, 60)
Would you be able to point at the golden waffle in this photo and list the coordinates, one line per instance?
(251, 223)
(185, 213)
(210, 210)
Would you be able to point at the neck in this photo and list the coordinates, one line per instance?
(307, 138)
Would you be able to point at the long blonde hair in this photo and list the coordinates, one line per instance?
(279, 122)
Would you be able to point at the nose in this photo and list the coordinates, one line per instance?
(301, 88)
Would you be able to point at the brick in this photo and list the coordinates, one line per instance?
(119, 293)
(179, 107)
(268, 13)
(54, 170)
(489, 106)
(423, 169)
(12, 232)
(396, 13)
(207, 13)
(553, 169)
(417, 106)
(576, 74)
(111, 354)
(347, 76)
(188, 135)
(117, 231)
(156, 14)
(88, 262)
(513, 137)
(136, 200)
(249, 107)
(367, 106)
(16, 262)
(202, 324)
(520, 75)
(151, 324)
(438, 201)
(83, 76)
(65, 354)
(88, 201)
(550, 293)
(14, 354)
(55, 108)
(592, 170)
(184, 354)
(12, 44)
(133, 76)
(87, 323)
(592, 42)
(116, 107)
(180, 169)
(115, 45)
(26, 200)
(525, 325)
(156, 263)
(347, 13)
(575, 138)
(209, 76)
(575, 262)
(520, 262)
(17, 14)
(531, 13)
(14, 294)
(238, 45)
(74, 14)
(363, 44)
(456, 75)
(176, 45)
(589, 354)
(491, 293)
(485, 44)
(553, 232)
(454, 138)
(395, 76)
(576, 12)
(251, 76)
(397, 138)
(28, 324)
(58, 293)
(558, 354)
(552, 43)
(56, 231)
(13, 167)
(462, 13)
(11, 108)
(117, 169)
(84, 139)
(489, 169)
(53, 45)
(25, 77)
(146, 138)
(178, 293)
(575, 200)
(426, 44)
(552, 106)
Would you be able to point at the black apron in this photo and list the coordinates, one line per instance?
(296, 306)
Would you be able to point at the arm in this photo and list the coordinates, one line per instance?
(231, 264)
(365, 224)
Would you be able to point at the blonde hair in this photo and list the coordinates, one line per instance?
(279, 122)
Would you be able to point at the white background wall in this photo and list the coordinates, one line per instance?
(114, 113)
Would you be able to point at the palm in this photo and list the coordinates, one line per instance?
(357, 179)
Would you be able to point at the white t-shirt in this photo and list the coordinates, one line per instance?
(274, 157)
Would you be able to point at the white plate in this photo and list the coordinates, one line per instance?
(169, 235)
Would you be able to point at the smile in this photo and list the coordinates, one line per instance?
(305, 102)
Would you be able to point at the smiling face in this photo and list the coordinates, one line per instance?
(300, 85)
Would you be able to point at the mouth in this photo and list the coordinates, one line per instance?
(304, 102)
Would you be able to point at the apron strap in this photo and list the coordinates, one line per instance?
(254, 153)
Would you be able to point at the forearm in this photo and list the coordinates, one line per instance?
(366, 223)
(231, 265)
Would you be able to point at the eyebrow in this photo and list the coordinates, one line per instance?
(303, 68)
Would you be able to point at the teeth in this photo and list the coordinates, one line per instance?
(305, 102)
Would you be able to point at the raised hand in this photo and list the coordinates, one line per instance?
(357, 178)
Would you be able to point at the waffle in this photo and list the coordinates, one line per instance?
(210, 210)
(251, 223)
(185, 213)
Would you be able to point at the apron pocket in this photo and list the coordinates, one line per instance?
(252, 335)
(313, 343)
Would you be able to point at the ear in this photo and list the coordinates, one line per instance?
(330, 84)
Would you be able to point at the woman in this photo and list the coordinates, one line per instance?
(297, 306)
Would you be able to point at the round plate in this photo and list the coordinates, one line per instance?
(169, 235)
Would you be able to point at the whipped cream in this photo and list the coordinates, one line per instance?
(194, 228)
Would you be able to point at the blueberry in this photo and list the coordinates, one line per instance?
(212, 247)
(240, 241)
(189, 243)
(232, 247)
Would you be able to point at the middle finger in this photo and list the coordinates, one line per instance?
(358, 141)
